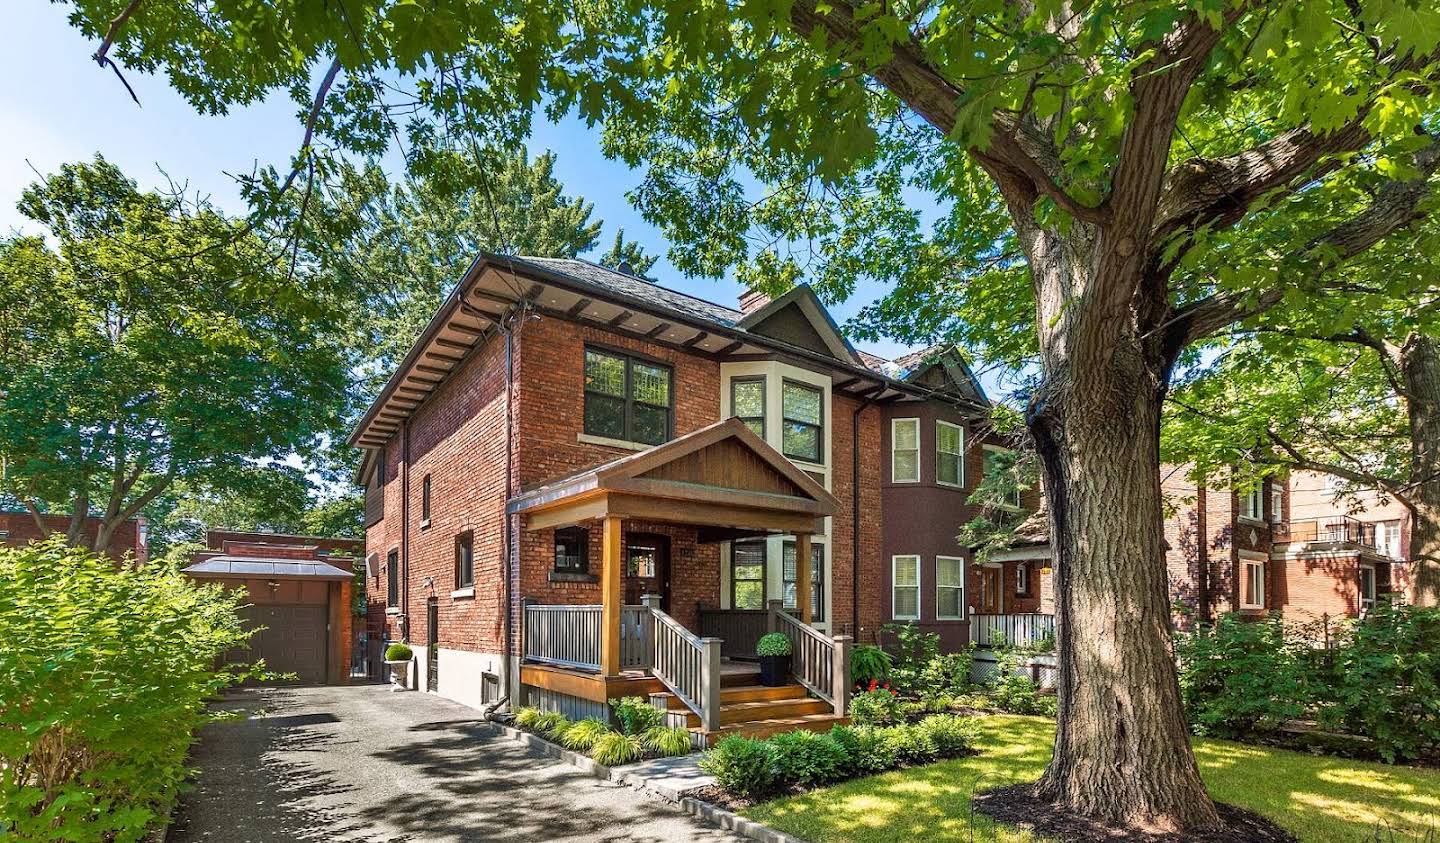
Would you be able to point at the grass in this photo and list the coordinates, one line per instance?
(1320, 799)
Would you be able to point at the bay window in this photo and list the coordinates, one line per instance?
(803, 421)
(949, 588)
(949, 448)
(790, 575)
(747, 403)
(905, 450)
(905, 588)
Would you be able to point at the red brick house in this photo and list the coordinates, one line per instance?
(19, 528)
(565, 439)
(298, 594)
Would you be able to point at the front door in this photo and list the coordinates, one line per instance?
(432, 645)
(647, 568)
(989, 602)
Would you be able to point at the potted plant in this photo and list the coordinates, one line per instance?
(774, 652)
(398, 656)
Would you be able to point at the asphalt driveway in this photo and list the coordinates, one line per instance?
(360, 763)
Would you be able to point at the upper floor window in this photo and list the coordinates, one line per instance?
(1252, 504)
(747, 403)
(1277, 503)
(392, 579)
(380, 468)
(747, 575)
(1000, 462)
(572, 550)
(626, 398)
(802, 407)
(425, 501)
(791, 576)
(905, 450)
(905, 588)
(465, 560)
(949, 450)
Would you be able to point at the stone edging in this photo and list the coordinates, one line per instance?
(710, 813)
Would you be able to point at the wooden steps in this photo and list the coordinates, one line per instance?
(765, 728)
(755, 710)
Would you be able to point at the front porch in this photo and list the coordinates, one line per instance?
(660, 515)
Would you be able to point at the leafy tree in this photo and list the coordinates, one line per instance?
(1343, 385)
(1145, 173)
(148, 341)
(622, 253)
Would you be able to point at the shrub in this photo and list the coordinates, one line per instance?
(878, 707)
(951, 734)
(613, 748)
(582, 734)
(914, 649)
(873, 754)
(666, 741)
(909, 743)
(635, 715)
(104, 673)
(848, 738)
(399, 652)
(1019, 694)
(551, 724)
(869, 663)
(525, 718)
(1240, 677)
(805, 758)
(948, 673)
(1385, 683)
(743, 766)
(773, 644)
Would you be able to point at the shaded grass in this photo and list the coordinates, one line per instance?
(1320, 799)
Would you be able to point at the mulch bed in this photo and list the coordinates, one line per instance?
(1017, 805)
(717, 795)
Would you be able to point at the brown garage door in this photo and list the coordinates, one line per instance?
(293, 640)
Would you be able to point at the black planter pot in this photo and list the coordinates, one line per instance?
(774, 671)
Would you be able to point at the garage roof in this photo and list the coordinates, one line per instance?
(279, 568)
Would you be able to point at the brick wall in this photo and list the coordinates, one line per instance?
(21, 529)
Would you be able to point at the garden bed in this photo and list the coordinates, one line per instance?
(640, 735)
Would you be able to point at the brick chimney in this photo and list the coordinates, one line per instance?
(752, 300)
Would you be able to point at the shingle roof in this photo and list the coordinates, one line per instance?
(641, 288)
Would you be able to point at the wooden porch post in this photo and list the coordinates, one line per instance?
(610, 598)
(803, 588)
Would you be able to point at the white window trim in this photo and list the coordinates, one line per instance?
(1246, 562)
(1256, 496)
(894, 426)
(960, 456)
(1368, 602)
(1277, 503)
(1022, 568)
(919, 584)
(961, 588)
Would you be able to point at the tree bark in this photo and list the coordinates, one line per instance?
(1122, 749)
(1420, 369)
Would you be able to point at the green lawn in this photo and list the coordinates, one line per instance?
(1318, 798)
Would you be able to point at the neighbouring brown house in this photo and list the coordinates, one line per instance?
(299, 592)
(18, 528)
(1286, 547)
(565, 442)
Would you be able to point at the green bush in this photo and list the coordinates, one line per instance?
(551, 724)
(1385, 682)
(525, 718)
(666, 741)
(773, 644)
(743, 766)
(398, 652)
(582, 734)
(848, 738)
(635, 715)
(947, 673)
(869, 663)
(1019, 694)
(913, 650)
(878, 707)
(951, 734)
(104, 673)
(807, 759)
(1240, 677)
(909, 743)
(613, 748)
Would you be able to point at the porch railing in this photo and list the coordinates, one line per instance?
(635, 635)
(563, 635)
(817, 661)
(688, 665)
(1335, 528)
(738, 629)
(1018, 629)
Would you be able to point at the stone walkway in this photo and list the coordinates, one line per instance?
(360, 763)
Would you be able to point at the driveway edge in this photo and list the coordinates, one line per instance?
(707, 811)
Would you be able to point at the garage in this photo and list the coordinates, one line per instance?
(299, 608)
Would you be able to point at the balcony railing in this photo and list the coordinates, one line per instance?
(1016, 630)
(1339, 529)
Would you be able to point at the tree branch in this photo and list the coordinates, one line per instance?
(1304, 463)
(102, 55)
(36, 517)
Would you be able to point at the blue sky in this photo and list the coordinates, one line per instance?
(60, 106)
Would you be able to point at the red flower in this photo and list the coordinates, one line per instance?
(874, 683)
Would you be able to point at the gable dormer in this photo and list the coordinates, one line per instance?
(943, 369)
(799, 319)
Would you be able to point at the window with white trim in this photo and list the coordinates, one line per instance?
(802, 421)
(905, 588)
(1252, 585)
(1277, 503)
(949, 588)
(949, 454)
(1022, 578)
(747, 574)
(905, 450)
(1367, 588)
(747, 402)
(1252, 504)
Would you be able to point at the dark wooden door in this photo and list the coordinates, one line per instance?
(647, 568)
(292, 640)
(432, 645)
(989, 602)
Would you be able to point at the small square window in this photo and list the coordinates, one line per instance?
(572, 550)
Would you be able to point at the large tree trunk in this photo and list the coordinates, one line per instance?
(1122, 749)
(1420, 367)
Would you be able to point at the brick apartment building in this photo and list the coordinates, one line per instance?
(18, 528)
(555, 447)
